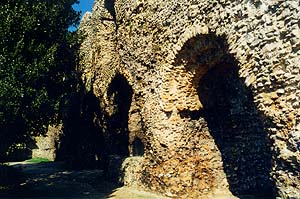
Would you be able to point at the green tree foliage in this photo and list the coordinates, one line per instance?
(37, 65)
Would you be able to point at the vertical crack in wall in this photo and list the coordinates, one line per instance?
(110, 6)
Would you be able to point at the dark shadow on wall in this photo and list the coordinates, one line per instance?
(237, 129)
(117, 134)
(110, 6)
(231, 116)
(138, 147)
(94, 138)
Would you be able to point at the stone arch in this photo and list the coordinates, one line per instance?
(195, 58)
(190, 32)
(204, 86)
(119, 95)
(237, 129)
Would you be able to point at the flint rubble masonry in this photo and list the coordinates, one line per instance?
(215, 91)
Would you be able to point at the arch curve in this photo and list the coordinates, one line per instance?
(203, 86)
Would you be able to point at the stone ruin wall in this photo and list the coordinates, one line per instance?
(48, 145)
(215, 90)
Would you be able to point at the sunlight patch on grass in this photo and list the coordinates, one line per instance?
(38, 160)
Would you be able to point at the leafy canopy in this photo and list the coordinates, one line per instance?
(37, 62)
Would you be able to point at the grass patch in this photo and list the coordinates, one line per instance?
(38, 160)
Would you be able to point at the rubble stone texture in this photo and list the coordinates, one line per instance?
(47, 146)
(215, 91)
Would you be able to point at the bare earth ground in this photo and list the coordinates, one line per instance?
(51, 181)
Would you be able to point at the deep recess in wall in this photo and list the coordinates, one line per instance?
(120, 95)
(138, 147)
(233, 121)
(237, 128)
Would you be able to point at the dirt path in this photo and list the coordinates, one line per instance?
(50, 180)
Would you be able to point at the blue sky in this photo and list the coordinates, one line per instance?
(83, 6)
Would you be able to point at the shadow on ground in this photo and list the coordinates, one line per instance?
(51, 180)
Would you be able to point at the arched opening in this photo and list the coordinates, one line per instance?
(237, 128)
(120, 96)
(228, 110)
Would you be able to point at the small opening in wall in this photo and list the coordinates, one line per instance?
(168, 114)
(194, 115)
(138, 147)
